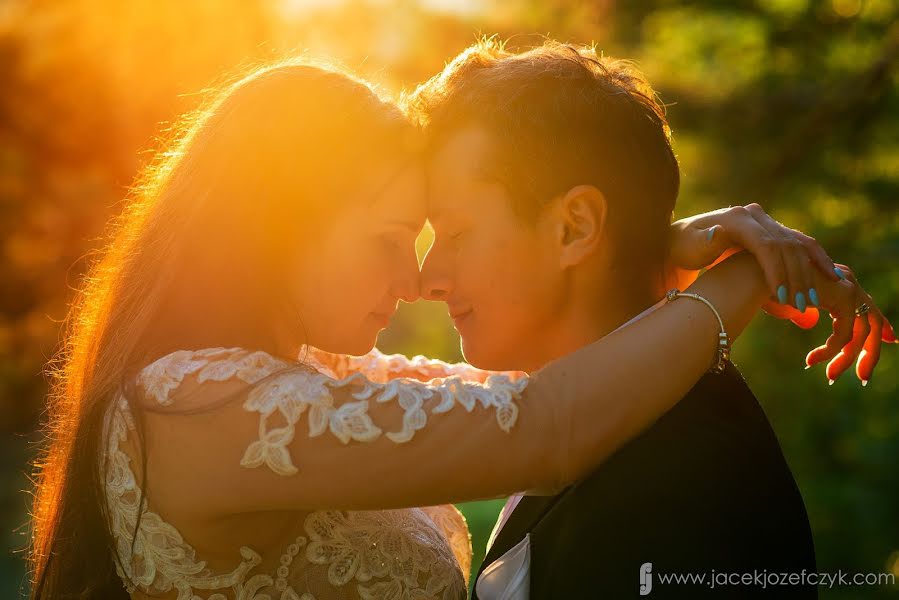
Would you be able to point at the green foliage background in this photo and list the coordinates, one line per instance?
(790, 103)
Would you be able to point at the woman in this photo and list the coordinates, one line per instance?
(270, 232)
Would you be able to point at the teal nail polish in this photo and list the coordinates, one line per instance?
(782, 294)
(710, 234)
(813, 296)
(839, 272)
(800, 301)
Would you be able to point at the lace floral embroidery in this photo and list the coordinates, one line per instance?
(214, 364)
(302, 391)
(401, 546)
(417, 553)
(410, 553)
(452, 522)
(162, 560)
(381, 368)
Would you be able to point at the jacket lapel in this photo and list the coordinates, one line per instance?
(527, 514)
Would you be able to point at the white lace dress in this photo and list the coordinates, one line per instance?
(412, 553)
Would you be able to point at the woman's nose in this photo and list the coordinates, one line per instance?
(407, 286)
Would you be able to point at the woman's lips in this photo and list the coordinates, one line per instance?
(460, 317)
(382, 318)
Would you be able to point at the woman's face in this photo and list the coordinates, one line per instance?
(354, 270)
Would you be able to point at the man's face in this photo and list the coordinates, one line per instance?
(498, 274)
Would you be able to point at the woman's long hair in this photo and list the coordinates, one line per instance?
(198, 258)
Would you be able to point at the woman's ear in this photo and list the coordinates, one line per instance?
(581, 222)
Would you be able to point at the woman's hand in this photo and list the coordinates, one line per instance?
(787, 257)
(796, 269)
(859, 327)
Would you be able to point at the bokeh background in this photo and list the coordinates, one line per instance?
(790, 103)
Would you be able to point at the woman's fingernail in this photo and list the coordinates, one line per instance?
(800, 301)
(839, 272)
(782, 294)
(711, 233)
(830, 382)
(864, 382)
(808, 367)
(813, 296)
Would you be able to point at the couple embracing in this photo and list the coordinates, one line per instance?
(223, 426)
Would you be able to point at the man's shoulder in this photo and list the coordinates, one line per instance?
(707, 486)
(725, 396)
(716, 440)
(719, 411)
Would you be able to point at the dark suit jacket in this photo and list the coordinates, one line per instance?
(706, 487)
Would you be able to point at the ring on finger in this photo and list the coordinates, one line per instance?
(862, 309)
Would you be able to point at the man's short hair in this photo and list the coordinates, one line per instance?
(563, 115)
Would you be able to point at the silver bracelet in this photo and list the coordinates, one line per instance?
(723, 349)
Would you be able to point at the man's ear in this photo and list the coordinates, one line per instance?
(581, 220)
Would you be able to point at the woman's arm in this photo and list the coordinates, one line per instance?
(316, 442)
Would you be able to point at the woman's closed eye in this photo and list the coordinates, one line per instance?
(390, 241)
(397, 242)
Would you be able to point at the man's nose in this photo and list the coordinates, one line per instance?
(436, 278)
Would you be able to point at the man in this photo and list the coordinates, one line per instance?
(553, 183)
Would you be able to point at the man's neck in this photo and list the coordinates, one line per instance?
(586, 324)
